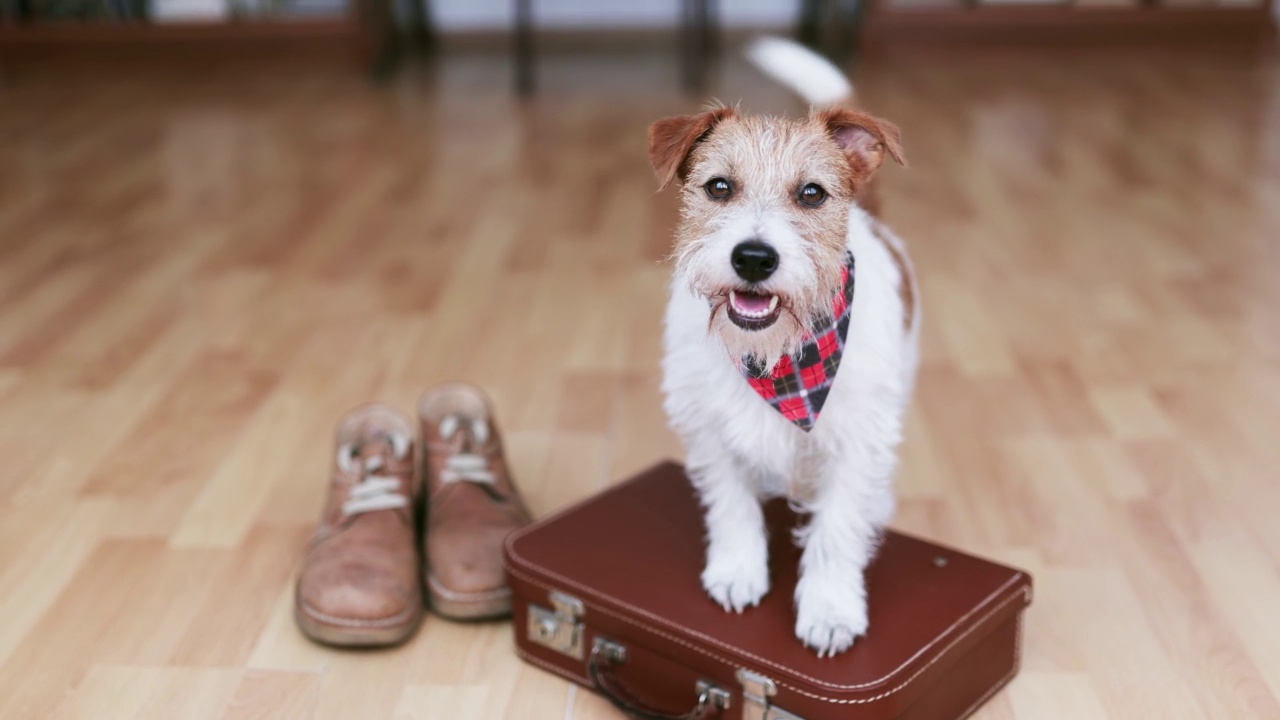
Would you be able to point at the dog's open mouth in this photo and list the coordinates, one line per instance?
(753, 311)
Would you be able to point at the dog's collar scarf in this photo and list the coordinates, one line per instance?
(799, 384)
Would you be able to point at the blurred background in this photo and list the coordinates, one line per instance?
(225, 222)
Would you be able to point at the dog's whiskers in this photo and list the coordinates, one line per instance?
(787, 309)
(722, 303)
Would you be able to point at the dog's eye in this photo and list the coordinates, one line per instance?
(718, 188)
(812, 194)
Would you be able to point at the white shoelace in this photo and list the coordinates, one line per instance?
(373, 492)
(465, 466)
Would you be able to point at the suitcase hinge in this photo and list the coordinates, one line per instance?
(757, 691)
(559, 628)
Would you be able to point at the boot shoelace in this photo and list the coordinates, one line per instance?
(373, 492)
(465, 466)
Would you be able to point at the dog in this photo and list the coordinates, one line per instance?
(791, 338)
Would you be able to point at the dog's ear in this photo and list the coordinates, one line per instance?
(864, 138)
(672, 139)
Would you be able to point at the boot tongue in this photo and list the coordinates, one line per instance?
(466, 434)
(378, 449)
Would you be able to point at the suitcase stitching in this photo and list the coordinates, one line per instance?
(1016, 651)
(566, 581)
(926, 666)
(1017, 665)
(851, 701)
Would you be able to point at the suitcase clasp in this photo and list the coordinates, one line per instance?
(559, 628)
(756, 693)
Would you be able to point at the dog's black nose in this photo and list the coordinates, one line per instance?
(754, 260)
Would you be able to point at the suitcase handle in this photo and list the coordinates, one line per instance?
(606, 655)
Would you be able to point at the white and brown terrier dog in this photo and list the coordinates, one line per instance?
(764, 332)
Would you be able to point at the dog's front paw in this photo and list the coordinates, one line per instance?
(830, 614)
(736, 580)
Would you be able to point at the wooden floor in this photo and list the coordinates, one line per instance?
(199, 271)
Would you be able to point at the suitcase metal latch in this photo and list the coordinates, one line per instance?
(756, 693)
(559, 628)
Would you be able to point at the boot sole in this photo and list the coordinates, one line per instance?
(328, 633)
(489, 605)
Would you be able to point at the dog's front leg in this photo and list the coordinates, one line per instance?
(737, 571)
(851, 508)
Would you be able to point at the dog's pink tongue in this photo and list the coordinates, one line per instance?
(748, 302)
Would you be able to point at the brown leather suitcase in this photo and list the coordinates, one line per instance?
(607, 595)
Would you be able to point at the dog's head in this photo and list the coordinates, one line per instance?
(764, 214)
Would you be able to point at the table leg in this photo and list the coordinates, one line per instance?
(524, 50)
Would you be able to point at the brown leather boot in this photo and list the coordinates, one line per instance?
(360, 582)
(472, 504)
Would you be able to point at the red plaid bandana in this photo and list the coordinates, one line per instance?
(799, 384)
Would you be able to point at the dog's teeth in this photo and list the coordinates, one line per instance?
(752, 314)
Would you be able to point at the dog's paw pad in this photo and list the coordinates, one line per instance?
(736, 588)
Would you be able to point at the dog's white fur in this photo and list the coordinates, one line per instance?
(741, 450)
